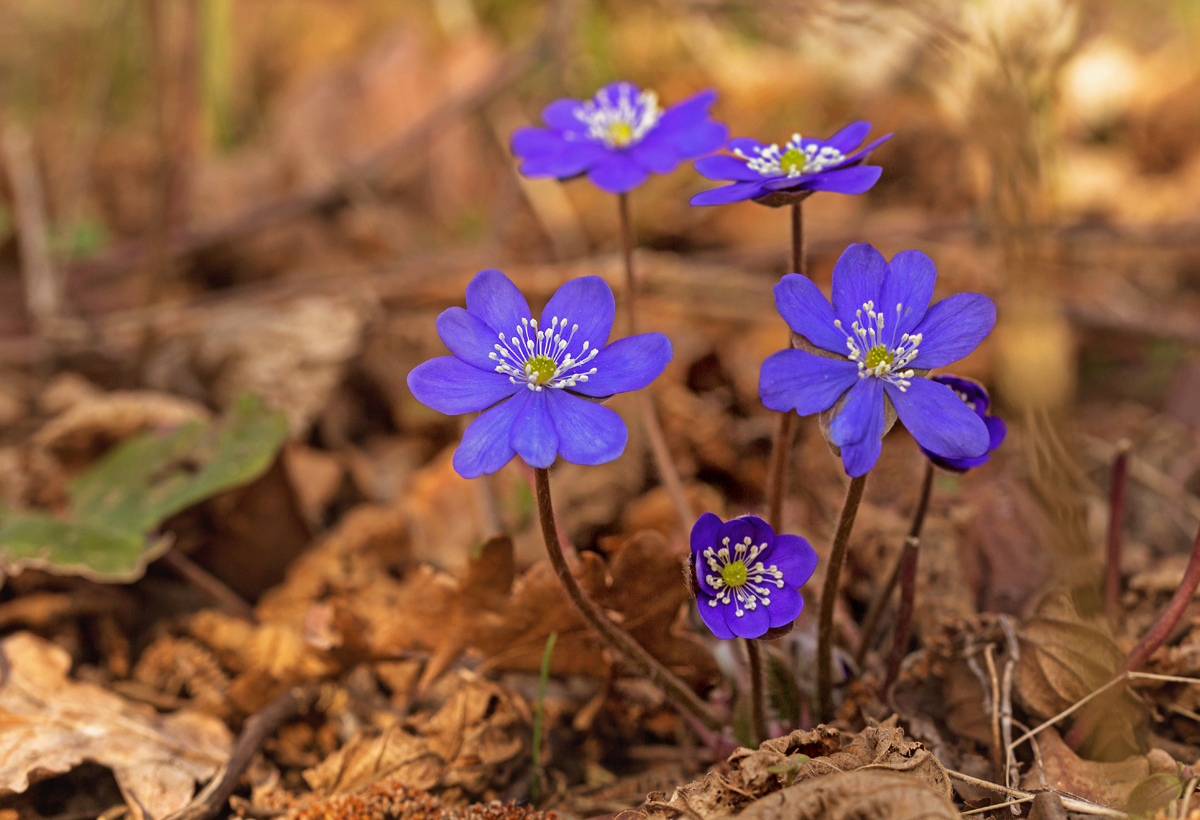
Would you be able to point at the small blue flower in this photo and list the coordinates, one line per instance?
(747, 578)
(618, 137)
(536, 381)
(975, 397)
(871, 348)
(801, 167)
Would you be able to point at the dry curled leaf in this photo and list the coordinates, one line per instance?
(52, 724)
(866, 794)
(1109, 784)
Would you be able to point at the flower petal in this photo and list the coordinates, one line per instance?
(561, 116)
(617, 173)
(857, 279)
(721, 167)
(494, 298)
(736, 530)
(939, 420)
(795, 558)
(737, 192)
(804, 382)
(713, 616)
(533, 434)
(744, 144)
(704, 532)
(655, 154)
(468, 337)
(953, 328)
(907, 283)
(850, 137)
(484, 448)
(627, 364)
(451, 386)
(587, 432)
(860, 156)
(786, 606)
(858, 428)
(588, 302)
(546, 154)
(702, 570)
(808, 312)
(997, 431)
(857, 179)
(752, 623)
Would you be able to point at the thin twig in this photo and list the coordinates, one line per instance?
(1116, 516)
(994, 711)
(678, 692)
(209, 584)
(258, 727)
(1016, 802)
(829, 593)
(1071, 803)
(758, 711)
(1006, 690)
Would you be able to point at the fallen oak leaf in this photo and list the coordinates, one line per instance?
(866, 794)
(51, 724)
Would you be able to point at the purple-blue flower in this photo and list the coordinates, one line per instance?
(871, 348)
(618, 137)
(536, 381)
(747, 578)
(975, 397)
(802, 165)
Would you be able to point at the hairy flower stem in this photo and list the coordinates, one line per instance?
(1116, 517)
(758, 709)
(781, 447)
(654, 432)
(829, 593)
(678, 692)
(871, 621)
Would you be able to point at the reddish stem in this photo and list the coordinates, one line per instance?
(1116, 511)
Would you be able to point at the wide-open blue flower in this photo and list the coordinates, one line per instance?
(871, 348)
(975, 397)
(803, 165)
(618, 137)
(747, 578)
(537, 381)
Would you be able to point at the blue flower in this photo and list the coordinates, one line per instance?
(618, 137)
(536, 381)
(975, 397)
(871, 348)
(747, 578)
(800, 168)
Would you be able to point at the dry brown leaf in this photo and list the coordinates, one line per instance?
(52, 724)
(1108, 784)
(867, 794)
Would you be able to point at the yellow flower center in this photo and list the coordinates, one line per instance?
(540, 369)
(878, 355)
(734, 574)
(620, 134)
(793, 160)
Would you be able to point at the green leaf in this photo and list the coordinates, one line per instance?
(117, 504)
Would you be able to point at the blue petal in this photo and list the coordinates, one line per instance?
(736, 529)
(655, 154)
(795, 558)
(714, 617)
(737, 192)
(468, 337)
(690, 139)
(494, 298)
(702, 570)
(561, 116)
(689, 113)
(588, 433)
(745, 144)
(617, 173)
(808, 312)
(997, 431)
(760, 531)
(704, 532)
(854, 180)
(939, 420)
(908, 282)
(804, 382)
(858, 428)
(722, 167)
(484, 448)
(786, 606)
(627, 364)
(953, 328)
(533, 435)
(586, 301)
(452, 386)
(857, 279)
(546, 154)
(850, 137)
(752, 623)
(860, 155)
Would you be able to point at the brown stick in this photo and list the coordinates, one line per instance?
(209, 584)
(678, 692)
(799, 251)
(871, 621)
(258, 728)
(833, 572)
(758, 710)
(658, 440)
(908, 582)
(1116, 517)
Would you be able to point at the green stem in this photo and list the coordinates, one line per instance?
(833, 572)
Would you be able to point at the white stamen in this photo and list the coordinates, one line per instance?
(622, 122)
(515, 358)
(868, 334)
(768, 159)
(755, 590)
